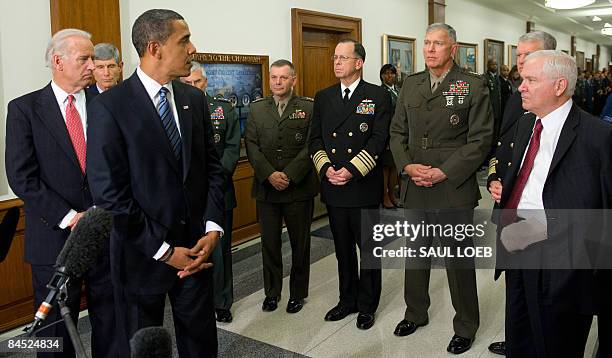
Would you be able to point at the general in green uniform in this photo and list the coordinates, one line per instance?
(284, 184)
(440, 134)
(226, 134)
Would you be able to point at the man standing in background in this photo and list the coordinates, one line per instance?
(108, 68)
(226, 134)
(350, 126)
(440, 135)
(284, 184)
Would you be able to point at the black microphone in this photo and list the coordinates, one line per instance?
(151, 342)
(78, 255)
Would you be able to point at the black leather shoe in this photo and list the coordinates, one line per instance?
(459, 345)
(405, 328)
(270, 304)
(498, 348)
(295, 305)
(339, 312)
(223, 315)
(365, 320)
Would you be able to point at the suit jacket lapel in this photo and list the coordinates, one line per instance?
(337, 103)
(144, 110)
(566, 138)
(524, 132)
(355, 99)
(48, 110)
(289, 108)
(272, 109)
(181, 101)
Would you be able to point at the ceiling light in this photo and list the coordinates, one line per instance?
(607, 29)
(567, 4)
(596, 18)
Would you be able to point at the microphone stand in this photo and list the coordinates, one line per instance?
(79, 350)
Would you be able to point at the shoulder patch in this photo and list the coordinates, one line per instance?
(416, 73)
(307, 98)
(258, 100)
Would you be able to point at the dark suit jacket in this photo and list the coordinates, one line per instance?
(92, 90)
(579, 178)
(43, 170)
(351, 140)
(134, 174)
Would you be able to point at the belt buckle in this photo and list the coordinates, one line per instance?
(424, 143)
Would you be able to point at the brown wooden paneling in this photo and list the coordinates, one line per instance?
(245, 226)
(312, 22)
(318, 48)
(100, 18)
(16, 296)
(436, 11)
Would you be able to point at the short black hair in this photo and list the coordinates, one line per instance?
(153, 25)
(359, 49)
(282, 63)
(385, 68)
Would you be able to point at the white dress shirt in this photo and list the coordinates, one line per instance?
(152, 87)
(552, 124)
(80, 104)
(351, 88)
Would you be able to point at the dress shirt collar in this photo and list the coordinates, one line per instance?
(151, 86)
(351, 87)
(62, 96)
(553, 122)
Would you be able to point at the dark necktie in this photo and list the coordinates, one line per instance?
(75, 131)
(523, 175)
(345, 99)
(165, 113)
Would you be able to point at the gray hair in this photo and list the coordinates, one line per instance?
(153, 25)
(106, 51)
(58, 43)
(557, 64)
(441, 26)
(196, 66)
(547, 40)
(282, 63)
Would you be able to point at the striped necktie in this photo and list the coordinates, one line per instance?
(165, 113)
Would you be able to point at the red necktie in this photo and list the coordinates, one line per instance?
(75, 130)
(523, 175)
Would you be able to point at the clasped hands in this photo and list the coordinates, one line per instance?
(279, 180)
(189, 261)
(424, 175)
(338, 177)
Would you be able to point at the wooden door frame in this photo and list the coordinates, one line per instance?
(307, 19)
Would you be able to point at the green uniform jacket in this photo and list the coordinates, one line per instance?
(451, 129)
(226, 130)
(279, 143)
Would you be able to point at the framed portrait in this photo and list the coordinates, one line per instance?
(511, 56)
(400, 52)
(467, 56)
(493, 49)
(238, 78)
(580, 59)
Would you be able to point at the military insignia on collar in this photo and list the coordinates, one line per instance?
(363, 127)
(299, 137)
(217, 138)
(217, 114)
(366, 107)
(459, 89)
(298, 114)
(454, 119)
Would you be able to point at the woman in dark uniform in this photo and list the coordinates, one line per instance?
(388, 75)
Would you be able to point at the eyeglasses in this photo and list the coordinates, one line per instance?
(343, 58)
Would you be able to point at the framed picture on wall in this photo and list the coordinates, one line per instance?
(238, 78)
(580, 59)
(494, 49)
(467, 56)
(511, 56)
(400, 52)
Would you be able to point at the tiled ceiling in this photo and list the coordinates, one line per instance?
(578, 22)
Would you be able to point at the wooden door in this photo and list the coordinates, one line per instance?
(318, 72)
(314, 36)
